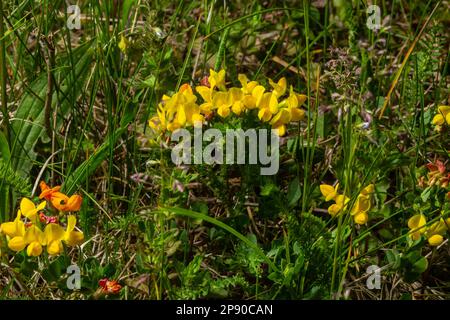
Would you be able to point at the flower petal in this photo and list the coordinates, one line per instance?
(8, 228)
(17, 244)
(74, 238)
(258, 93)
(417, 221)
(74, 203)
(328, 192)
(27, 208)
(55, 247)
(361, 218)
(34, 249)
(53, 232)
(59, 200)
(435, 240)
(334, 209)
(438, 120)
(34, 234)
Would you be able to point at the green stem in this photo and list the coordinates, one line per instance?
(4, 98)
(3, 78)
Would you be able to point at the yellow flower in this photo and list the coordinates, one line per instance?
(279, 88)
(268, 106)
(29, 210)
(54, 235)
(177, 111)
(198, 119)
(435, 233)
(264, 114)
(16, 232)
(253, 100)
(172, 126)
(359, 209)
(368, 190)
(269, 101)
(236, 97)
(247, 87)
(447, 223)
(155, 124)
(362, 204)
(416, 223)
(181, 109)
(217, 79)
(301, 98)
(435, 240)
(339, 206)
(221, 101)
(123, 44)
(329, 192)
(34, 249)
(206, 93)
(293, 103)
(19, 237)
(280, 120)
(361, 217)
(442, 116)
(35, 239)
(71, 237)
(297, 114)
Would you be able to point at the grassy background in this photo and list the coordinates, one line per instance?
(75, 109)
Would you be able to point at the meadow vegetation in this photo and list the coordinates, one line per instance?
(361, 107)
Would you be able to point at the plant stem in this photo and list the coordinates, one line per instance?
(3, 78)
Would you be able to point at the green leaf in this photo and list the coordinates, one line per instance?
(268, 189)
(294, 192)
(5, 153)
(5, 157)
(56, 269)
(126, 7)
(393, 258)
(426, 194)
(420, 265)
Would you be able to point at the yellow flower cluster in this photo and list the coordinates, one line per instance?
(442, 117)
(277, 106)
(25, 231)
(434, 233)
(359, 210)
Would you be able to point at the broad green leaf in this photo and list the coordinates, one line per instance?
(4, 192)
(294, 192)
(5, 154)
(426, 194)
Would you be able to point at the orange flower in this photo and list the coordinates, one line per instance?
(437, 175)
(58, 199)
(437, 166)
(110, 286)
(46, 192)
